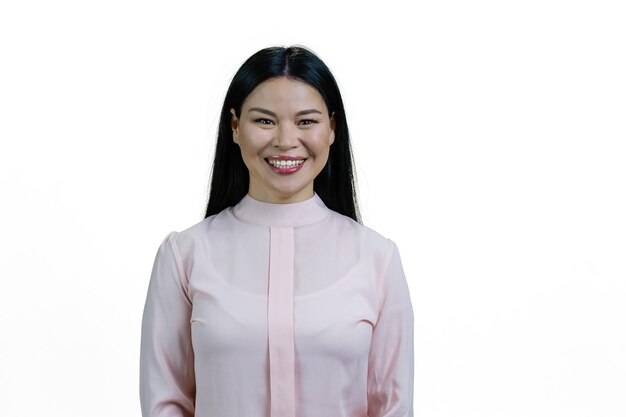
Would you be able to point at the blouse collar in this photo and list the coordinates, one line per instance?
(281, 214)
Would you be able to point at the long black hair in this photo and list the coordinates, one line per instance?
(335, 184)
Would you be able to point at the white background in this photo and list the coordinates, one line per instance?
(489, 138)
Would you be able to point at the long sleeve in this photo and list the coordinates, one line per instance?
(390, 369)
(167, 378)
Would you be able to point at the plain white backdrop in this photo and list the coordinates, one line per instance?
(489, 138)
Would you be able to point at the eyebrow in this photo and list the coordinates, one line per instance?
(271, 113)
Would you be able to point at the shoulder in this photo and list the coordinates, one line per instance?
(194, 238)
(374, 244)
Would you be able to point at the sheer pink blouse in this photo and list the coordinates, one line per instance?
(277, 310)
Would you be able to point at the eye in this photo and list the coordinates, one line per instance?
(307, 122)
(264, 121)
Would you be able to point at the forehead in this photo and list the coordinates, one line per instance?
(284, 93)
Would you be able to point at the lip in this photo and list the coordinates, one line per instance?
(285, 158)
(285, 171)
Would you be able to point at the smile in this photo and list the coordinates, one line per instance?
(285, 166)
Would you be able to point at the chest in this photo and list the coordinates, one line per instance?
(335, 320)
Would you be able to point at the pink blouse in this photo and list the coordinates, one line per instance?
(277, 310)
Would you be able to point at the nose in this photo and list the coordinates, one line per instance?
(286, 137)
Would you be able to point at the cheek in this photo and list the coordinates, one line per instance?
(253, 141)
(321, 143)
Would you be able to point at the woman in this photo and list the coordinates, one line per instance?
(280, 302)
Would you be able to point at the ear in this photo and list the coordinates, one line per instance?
(234, 125)
(333, 125)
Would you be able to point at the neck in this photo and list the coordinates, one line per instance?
(281, 214)
(270, 196)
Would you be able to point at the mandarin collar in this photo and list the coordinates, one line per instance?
(281, 214)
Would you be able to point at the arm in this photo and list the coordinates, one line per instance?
(167, 380)
(390, 369)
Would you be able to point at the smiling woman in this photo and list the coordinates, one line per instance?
(280, 302)
(284, 129)
(291, 93)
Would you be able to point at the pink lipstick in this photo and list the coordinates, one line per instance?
(284, 164)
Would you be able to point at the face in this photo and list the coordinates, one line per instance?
(284, 122)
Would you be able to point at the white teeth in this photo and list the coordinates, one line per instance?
(285, 164)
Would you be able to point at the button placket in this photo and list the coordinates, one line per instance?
(280, 322)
